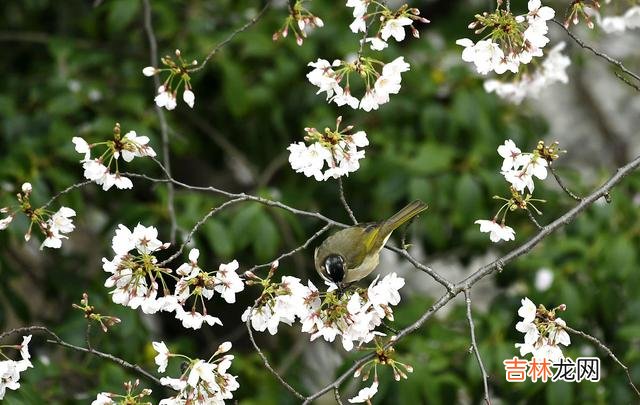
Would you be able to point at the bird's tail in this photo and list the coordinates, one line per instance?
(403, 216)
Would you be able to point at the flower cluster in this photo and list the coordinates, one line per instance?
(10, 369)
(279, 302)
(497, 230)
(383, 356)
(177, 70)
(55, 228)
(552, 70)
(134, 270)
(511, 41)
(105, 321)
(392, 23)
(299, 20)
(200, 285)
(518, 169)
(380, 79)
(131, 397)
(98, 169)
(543, 331)
(137, 278)
(584, 9)
(337, 148)
(353, 315)
(201, 381)
(620, 23)
(53, 225)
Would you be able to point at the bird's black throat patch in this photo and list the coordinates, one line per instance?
(335, 267)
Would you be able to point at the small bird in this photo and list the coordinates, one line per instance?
(353, 253)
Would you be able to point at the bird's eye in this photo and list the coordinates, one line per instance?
(335, 268)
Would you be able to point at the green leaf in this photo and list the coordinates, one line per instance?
(243, 226)
(267, 238)
(432, 158)
(219, 238)
(121, 13)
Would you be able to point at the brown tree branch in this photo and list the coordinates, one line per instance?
(58, 341)
(265, 361)
(65, 191)
(232, 35)
(344, 202)
(598, 53)
(198, 224)
(561, 183)
(474, 347)
(606, 350)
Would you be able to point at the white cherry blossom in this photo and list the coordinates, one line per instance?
(189, 98)
(527, 311)
(395, 28)
(509, 152)
(497, 232)
(162, 358)
(165, 98)
(365, 394)
(229, 282)
(59, 224)
(376, 43)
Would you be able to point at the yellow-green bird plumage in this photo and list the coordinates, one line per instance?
(360, 245)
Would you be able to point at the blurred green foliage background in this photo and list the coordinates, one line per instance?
(73, 68)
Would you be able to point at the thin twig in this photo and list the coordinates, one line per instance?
(533, 219)
(474, 347)
(606, 350)
(232, 35)
(245, 197)
(344, 202)
(65, 191)
(198, 224)
(27, 329)
(422, 267)
(58, 341)
(264, 358)
(108, 356)
(294, 251)
(389, 328)
(597, 52)
(365, 34)
(627, 81)
(336, 393)
(562, 185)
(340, 379)
(87, 336)
(164, 128)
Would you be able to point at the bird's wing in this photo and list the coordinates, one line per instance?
(354, 254)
